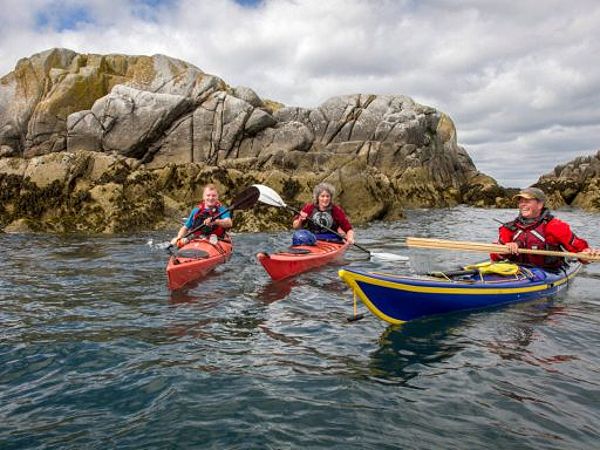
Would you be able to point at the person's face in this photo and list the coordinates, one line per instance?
(324, 199)
(210, 197)
(530, 208)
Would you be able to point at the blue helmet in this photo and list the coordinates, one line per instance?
(303, 237)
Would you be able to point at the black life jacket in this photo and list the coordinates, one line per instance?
(324, 218)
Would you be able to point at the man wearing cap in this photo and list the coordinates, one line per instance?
(535, 228)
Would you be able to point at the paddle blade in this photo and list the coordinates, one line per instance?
(269, 196)
(389, 256)
(246, 199)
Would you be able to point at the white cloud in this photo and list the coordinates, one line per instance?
(520, 79)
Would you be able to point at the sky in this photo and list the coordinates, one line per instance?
(520, 79)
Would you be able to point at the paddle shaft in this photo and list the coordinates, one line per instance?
(328, 229)
(218, 216)
(249, 195)
(193, 230)
(488, 248)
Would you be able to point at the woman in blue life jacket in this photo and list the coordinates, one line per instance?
(323, 211)
(202, 217)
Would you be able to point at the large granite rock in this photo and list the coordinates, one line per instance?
(37, 98)
(106, 130)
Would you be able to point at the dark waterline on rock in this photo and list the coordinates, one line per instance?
(96, 353)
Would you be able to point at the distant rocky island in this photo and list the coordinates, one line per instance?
(576, 183)
(117, 143)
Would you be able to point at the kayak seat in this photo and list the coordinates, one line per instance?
(192, 254)
(297, 251)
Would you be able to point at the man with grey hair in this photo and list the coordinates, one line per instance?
(535, 228)
(322, 213)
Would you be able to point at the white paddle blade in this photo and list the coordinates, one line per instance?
(269, 196)
(389, 257)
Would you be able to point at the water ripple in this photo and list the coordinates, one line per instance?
(95, 352)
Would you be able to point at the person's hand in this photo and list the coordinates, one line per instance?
(595, 252)
(513, 248)
(350, 239)
(182, 241)
(303, 216)
(592, 251)
(208, 221)
(174, 241)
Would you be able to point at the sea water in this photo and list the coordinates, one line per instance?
(95, 352)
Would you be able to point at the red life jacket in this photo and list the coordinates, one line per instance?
(201, 215)
(533, 236)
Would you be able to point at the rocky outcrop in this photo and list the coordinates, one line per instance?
(90, 191)
(576, 183)
(37, 98)
(105, 129)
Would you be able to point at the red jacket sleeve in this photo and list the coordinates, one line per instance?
(307, 208)
(504, 237)
(559, 232)
(339, 216)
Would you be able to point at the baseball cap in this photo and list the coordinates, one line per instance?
(531, 192)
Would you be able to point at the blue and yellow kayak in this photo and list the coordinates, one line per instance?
(398, 299)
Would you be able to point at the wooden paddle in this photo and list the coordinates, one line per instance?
(270, 197)
(468, 246)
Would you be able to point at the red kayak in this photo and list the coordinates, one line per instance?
(195, 259)
(301, 258)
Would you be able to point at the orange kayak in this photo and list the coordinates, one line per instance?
(195, 259)
(301, 258)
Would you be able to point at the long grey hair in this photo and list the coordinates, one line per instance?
(320, 188)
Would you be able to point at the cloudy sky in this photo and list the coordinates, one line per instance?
(520, 79)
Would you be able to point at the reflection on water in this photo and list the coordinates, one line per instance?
(516, 337)
(405, 349)
(273, 291)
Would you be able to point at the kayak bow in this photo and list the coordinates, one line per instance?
(196, 259)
